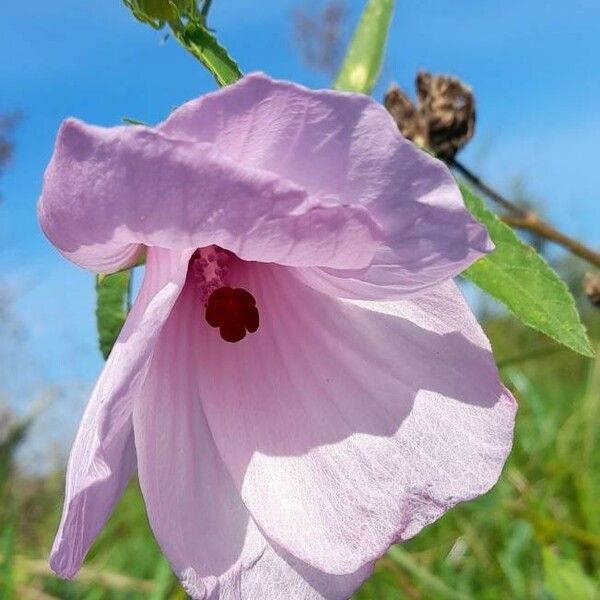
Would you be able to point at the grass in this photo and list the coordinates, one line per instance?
(535, 535)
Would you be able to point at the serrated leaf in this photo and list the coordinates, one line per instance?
(566, 580)
(362, 64)
(516, 275)
(203, 44)
(112, 293)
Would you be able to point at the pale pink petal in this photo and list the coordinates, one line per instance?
(382, 280)
(348, 426)
(345, 148)
(103, 456)
(195, 510)
(106, 191)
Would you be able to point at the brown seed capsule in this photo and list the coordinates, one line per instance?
(591, 287)
(443, 119)
(407, 117)
(448, 107)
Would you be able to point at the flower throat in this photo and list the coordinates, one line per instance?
(232, 310)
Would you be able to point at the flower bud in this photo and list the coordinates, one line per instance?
(154, 12)
(158, 9)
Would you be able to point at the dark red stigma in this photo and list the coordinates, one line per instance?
(233, 311)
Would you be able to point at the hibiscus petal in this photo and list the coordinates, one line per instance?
(108, 190)
(195, 510)
(383, 280)
(103, 455)
(345, 148)
(348, 426)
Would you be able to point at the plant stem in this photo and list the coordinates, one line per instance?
(531, 222)
(487, 190)
(520, 218)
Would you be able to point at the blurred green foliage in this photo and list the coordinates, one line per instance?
(535, 535)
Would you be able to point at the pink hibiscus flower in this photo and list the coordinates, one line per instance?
(299, 383)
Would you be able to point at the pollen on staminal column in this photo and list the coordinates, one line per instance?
(210, 266)
(232, 311)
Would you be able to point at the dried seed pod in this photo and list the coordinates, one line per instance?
(443, 119)
(591, 287)
(448, 107)
(408, 119)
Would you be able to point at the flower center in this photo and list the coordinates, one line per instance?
(232, 310)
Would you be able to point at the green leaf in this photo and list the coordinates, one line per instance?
(132, 121)
(203, 44)
(112, 297)
(566, 580)
(364, 57)
(516, 275)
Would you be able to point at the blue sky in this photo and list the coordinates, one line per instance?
(533, 65)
